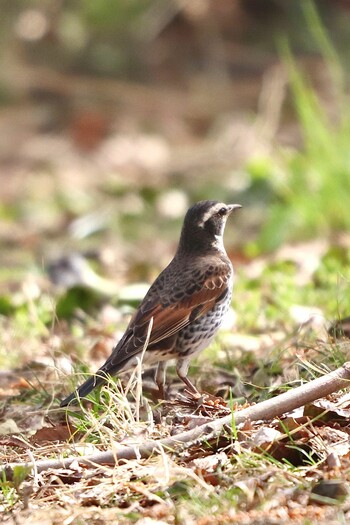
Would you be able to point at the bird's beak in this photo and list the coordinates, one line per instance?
(232, 207)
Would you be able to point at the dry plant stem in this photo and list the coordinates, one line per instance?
(139, 370)
(265, 410)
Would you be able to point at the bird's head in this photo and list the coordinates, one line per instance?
(204, 225)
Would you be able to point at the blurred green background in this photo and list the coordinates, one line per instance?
(115, 115)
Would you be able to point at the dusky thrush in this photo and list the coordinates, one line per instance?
(184, 307)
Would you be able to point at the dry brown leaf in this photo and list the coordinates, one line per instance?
(61, 432)
(266, 436)
(13, 441)
(20, 384)
(207, 466)
(327, 410)
(327, 440)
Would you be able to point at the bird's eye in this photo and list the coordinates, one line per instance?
(222, 212)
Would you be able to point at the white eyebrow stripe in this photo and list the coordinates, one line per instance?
(207, 215)
(210, 213)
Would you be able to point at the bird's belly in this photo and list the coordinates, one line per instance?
(147, 358)
(198, 335)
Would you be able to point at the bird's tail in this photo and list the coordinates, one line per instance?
(85, 388)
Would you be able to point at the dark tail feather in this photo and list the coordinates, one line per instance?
(84, 389)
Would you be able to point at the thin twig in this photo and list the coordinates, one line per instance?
(266, 410)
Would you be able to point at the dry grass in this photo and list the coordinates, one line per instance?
(268, 474)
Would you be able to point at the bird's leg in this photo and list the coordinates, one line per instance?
(182, 370)
(160, 378)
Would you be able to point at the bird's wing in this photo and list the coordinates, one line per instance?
(168, 319)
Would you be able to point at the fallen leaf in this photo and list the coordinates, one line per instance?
(330, 491)
(13, 441)
(62, 432)
(266, 435)
(327, 440)
(327, 410)
(20, 384)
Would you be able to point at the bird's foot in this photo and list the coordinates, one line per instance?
(193, 393)
(162, 393)
(201, 404)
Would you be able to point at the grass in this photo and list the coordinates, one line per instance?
(309, 187)
(113, 414)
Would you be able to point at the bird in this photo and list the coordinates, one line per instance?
(184, 307)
